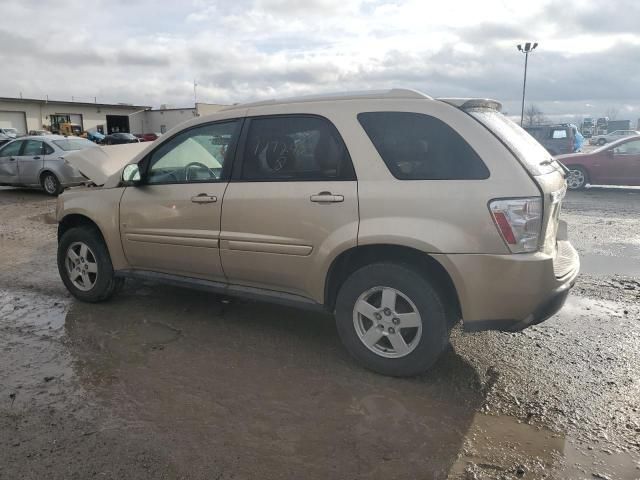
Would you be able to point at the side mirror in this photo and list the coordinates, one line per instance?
(131, 174)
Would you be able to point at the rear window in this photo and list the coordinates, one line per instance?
(69, 144)
(559, 134)
(533, 156)
(415, 146)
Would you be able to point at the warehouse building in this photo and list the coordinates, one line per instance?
(25, 114)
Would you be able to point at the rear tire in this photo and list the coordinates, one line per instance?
(50, 184)
(577, 178)
(85, 266)
(405, 329)
(601, 141)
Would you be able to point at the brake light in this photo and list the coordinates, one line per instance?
(519, 221)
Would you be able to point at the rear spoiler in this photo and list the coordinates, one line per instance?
(469, 103)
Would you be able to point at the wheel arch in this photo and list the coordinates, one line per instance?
(43, 172)
(74, 220)
(356, 257)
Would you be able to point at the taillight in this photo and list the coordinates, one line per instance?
(519, 221)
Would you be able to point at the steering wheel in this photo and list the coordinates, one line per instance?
(201, 166)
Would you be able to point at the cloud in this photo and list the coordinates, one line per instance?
(149, 52)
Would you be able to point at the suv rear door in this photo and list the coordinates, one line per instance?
(171, 222)
(291, 201)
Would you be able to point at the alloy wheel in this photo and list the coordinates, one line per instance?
(387, 322)
(576, 179)
(82, 266)
(50, 184)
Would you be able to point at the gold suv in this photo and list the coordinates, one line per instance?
(397, 212)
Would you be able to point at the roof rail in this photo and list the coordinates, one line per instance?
(399, 93)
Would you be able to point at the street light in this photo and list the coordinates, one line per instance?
(526, 49)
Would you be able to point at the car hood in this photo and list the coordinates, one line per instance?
(99, 164)
(567, 156)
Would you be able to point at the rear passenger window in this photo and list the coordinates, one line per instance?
(32, 148)
(294, 148)
(415, 146)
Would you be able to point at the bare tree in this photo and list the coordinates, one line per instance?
(533, 116)
(611, 113)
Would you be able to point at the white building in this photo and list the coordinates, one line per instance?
(25, 114)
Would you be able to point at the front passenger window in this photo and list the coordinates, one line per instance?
(196, 155)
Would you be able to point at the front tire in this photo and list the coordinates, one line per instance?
(577, 178)
(50, 184)
(391, 319)
(601, 141)
(85, 266)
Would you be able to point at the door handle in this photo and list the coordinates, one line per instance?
(36, 158)
(204, 198)
(326, 197)
(12, 159)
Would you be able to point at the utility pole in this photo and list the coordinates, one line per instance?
(526, 49)
(195, 93)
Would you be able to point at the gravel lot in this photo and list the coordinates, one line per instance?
(167, 383)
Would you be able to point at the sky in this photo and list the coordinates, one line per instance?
(148, 52)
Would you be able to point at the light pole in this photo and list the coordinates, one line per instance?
(526, 49)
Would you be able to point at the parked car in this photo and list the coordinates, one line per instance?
(4, 139)
(150, 137)
(611, 137)
(95, 136)
(557, 139)
(119, 138)
(617, 163)
(146, 137)
(9, 132)
(35, 133)
(398, 213)
(39, 161)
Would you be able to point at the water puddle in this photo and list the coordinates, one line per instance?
(503, 447)
(609, 265)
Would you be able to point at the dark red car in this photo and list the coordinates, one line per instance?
(147, 137)
(617, 163)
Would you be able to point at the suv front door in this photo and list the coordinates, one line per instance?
(291, 201)
(170, 223)
(9, 162)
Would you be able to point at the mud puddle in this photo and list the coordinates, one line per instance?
(499, 446)
(36, 367)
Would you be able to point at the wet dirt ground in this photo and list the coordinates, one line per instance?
(162, 382)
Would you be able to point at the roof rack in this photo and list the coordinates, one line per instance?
(399, 93)
(466, 103)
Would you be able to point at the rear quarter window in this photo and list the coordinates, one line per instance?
(416, 146)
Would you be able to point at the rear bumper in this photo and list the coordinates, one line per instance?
(545, 310)
(511, 292)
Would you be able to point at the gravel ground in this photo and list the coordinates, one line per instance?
(167, 383)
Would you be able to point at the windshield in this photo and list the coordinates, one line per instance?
(11, 131)
(70, 144)
(533, 156)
